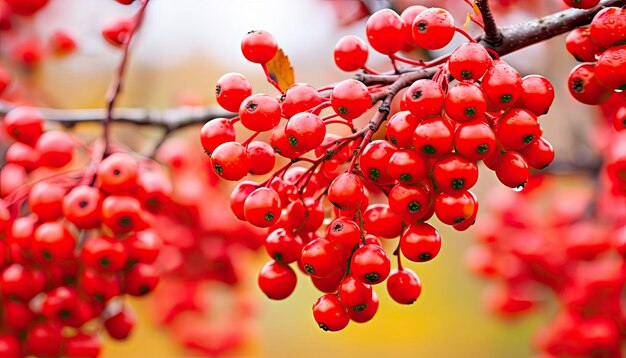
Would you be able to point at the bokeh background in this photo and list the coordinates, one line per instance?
(183, 47)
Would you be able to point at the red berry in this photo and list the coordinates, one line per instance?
(512, 169)
(370, 264)
(452, 209)
(502, 85)
(475, 140)
(346, 191)
(465, 102)
(350, 53)
(368, 313)
(374, 161)
(381, 221)
(120, 325)
(143, 246)
(259, 46)
(230, 161)
(10, 346)
(62, 42)
(305, 131)
(26, 7)
(400, 128)
(231, 89)
(407, 166)
(103, 254)
(45, 200)
(330, 314)
(116, 33)
(277, 280)
(354, 294)
(539, 153)
(581, 45)
(122, 214)
(24, 124)
(420, 242)
(44, 339)
(412, 203)
(283, 246)
(584, 86)
(454, 173)
(537, 94)
(433, 28)
(262, 158)
(300, 97)
(350, 99)
(55, 149)
(582, 4)
(117, 173)
(611, 68)
(385, 31)
(344, 233)
(83, 346)
(260, 112)
(469, 61)
(424, 98)
(517, 128)
(320, 258)
(53, 243)
(434, 137)
(262, 207)
(607, 27)
(404, 286)
(216, 132)
(140, 280)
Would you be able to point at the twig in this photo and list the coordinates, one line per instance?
(116, 84)
(493, 36)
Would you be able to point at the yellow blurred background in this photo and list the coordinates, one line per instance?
(182, 49)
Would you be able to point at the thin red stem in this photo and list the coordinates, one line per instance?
(368, 69)
(410, 61)
(464, 33)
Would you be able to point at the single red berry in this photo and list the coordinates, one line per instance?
(231, 89)
(103, 254)
(62, 43)
(368, 313)
(539, 153)
(407, 166)
(143, 246)
(262, 207)
(350, 99)
(281, 145)
(122, 214)
(83, 346)
(117, 173)
(400, 128)
(346, 191)
(475, 140)
(344, 233)
(26, 7)
(420, 242)
(300, 97)
(320, 258)
(434, 137)
(154, 190)
(424, 98)
(120, 325)
(260, 112)
(469, 61)
(517, 128)
(350, 53)
(584, 86)
(116, 33)
(581, 45)
(45, 200)
(412, 203)
(23, 155)
(455, 208)
(230, 161)
(354, 294)
(262, 158)
(330, 314)
(537, 94)
(454, 173)
(305, 131)
(283, 246)
(465, 102)
(385, 31)
(99, 286)
(277, 280)
(408, 16)
(512, 169)
(381, 221)
(44, 339)
(404, 286)
(53, 242)
(582, 4)
(607, 27)
(502, 85)
(14, 278)
(370, 264)
(433, 28)
(140, 280)
(374, 161)
(24, 124)
(82, 205)
(238, 197)
(329, 284)
(611, 68)
(10, 346)
(216, 132)
(55, 148)
(259, 46)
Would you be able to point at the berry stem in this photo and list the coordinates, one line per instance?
(492, 36)
(319, 107)
(397, 57)
(116, 84)
(368, 69)
(250, 139)
(464, 33)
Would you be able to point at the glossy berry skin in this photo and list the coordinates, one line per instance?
(216, 132)
(400, 128)
(469, 61)
(424, 98)
(277, 280)
(350, 53)
(305, 131)
(300, 97)
(385, 31)
(420, 242)
(120, 325)
(611, 68)
(584, 86)
(53, 242)
(354, 294)
(55, 149)
(404, 286)
(465, 101)
(24, 124)
(607, 27)
(231, 89)
(379, 220)
(283, 246)
(230, 161)
(368, 313)
(45, 200)
(320, 258)
(262, 158)
(23, 155)
(262, 207)
(82, 205)
(453, 209)
(350, 99)
(238, 197)
(260, 112)
(502, 86)
(10, 346)
(281, 145)
(330, 314)
(474, 140)
(433, 137)
(407, 166)
(143, 246)
(44, 339)
(454, 174)
(344, 234)
(346, 191)
(512, 169)
(581, 45)
(117, 173)
(537, 94)
(374, 161)
(412, 203)
(408, 16)
(99, 286)
(122, 214)
(433, 28)
(83, 346)
(517, 128)
(259, 46)
(12, 279)
(103, 254)
(370, 264)
(539, 153)
(140, 280)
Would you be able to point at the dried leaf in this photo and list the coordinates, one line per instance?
(468, 19)
(280, 70)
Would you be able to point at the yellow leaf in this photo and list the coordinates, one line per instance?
(468, 19)
(280, 70)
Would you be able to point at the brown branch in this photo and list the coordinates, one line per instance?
(518, 36)
(169, 119)
(116, 84)
(492, 36)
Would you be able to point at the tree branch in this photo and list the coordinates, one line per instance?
(116, 84)
(518, 36)
(169, 119)
(493, 36)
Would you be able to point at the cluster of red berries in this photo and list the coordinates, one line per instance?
(601, 47)
(72, 242)
(205, 250)
(425, 167)
(529, 251)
